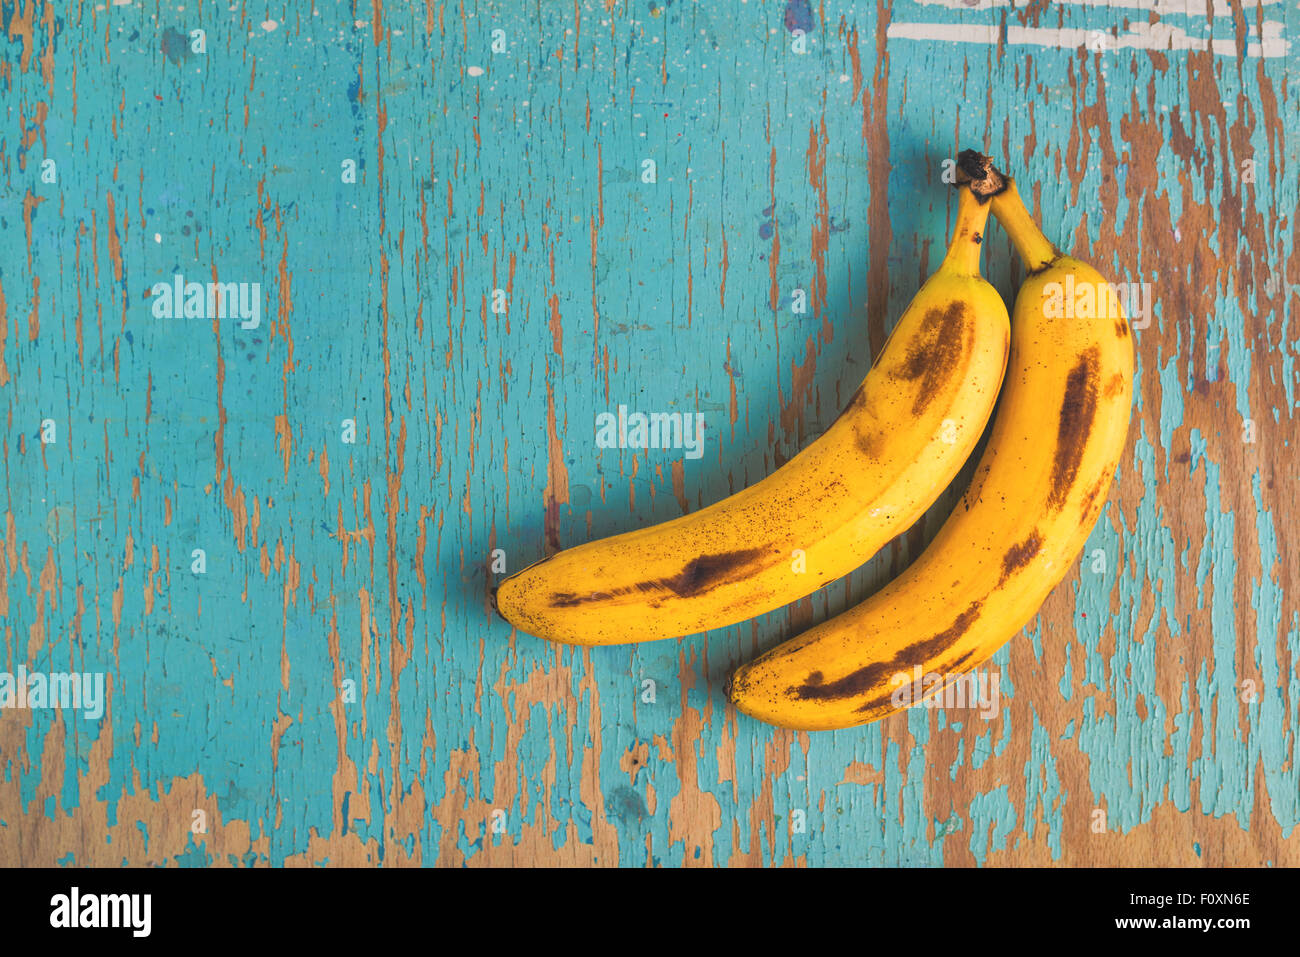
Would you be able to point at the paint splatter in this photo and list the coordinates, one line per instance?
(176, 46)
(798, 16)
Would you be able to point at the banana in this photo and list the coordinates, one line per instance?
(903, 437)
(1056, 440)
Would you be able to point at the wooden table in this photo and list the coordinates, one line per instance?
(469, 229)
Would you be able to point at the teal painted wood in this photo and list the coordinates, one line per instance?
(333, 688)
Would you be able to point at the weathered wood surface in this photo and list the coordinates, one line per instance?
(1159, 684)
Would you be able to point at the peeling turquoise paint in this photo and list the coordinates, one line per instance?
(1043, 790)
(993, 818)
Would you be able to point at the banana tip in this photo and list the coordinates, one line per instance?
(977, 170)
(734, 689)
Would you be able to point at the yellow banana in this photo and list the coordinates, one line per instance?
(906, 433)
(1056, 440)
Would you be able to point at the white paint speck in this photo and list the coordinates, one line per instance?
(475, 71)
(844, 78)
(269, 25)
(157, 237)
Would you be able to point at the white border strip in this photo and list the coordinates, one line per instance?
(1190, 8)
(1141, 36)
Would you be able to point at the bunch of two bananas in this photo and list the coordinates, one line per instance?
(1065, 383)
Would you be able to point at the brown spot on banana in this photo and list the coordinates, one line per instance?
(698, 576)
(1018, 556)
(1078, 412)
(955, 665)
(865, 680)
(932, 360)
(872, 444)
(949, 670)
(1092, 502)
(708, 571)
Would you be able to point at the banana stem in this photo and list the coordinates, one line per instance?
(1034, 248)
(963, 255)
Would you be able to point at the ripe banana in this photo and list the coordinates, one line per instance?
(903, 437)
(1039, 487)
